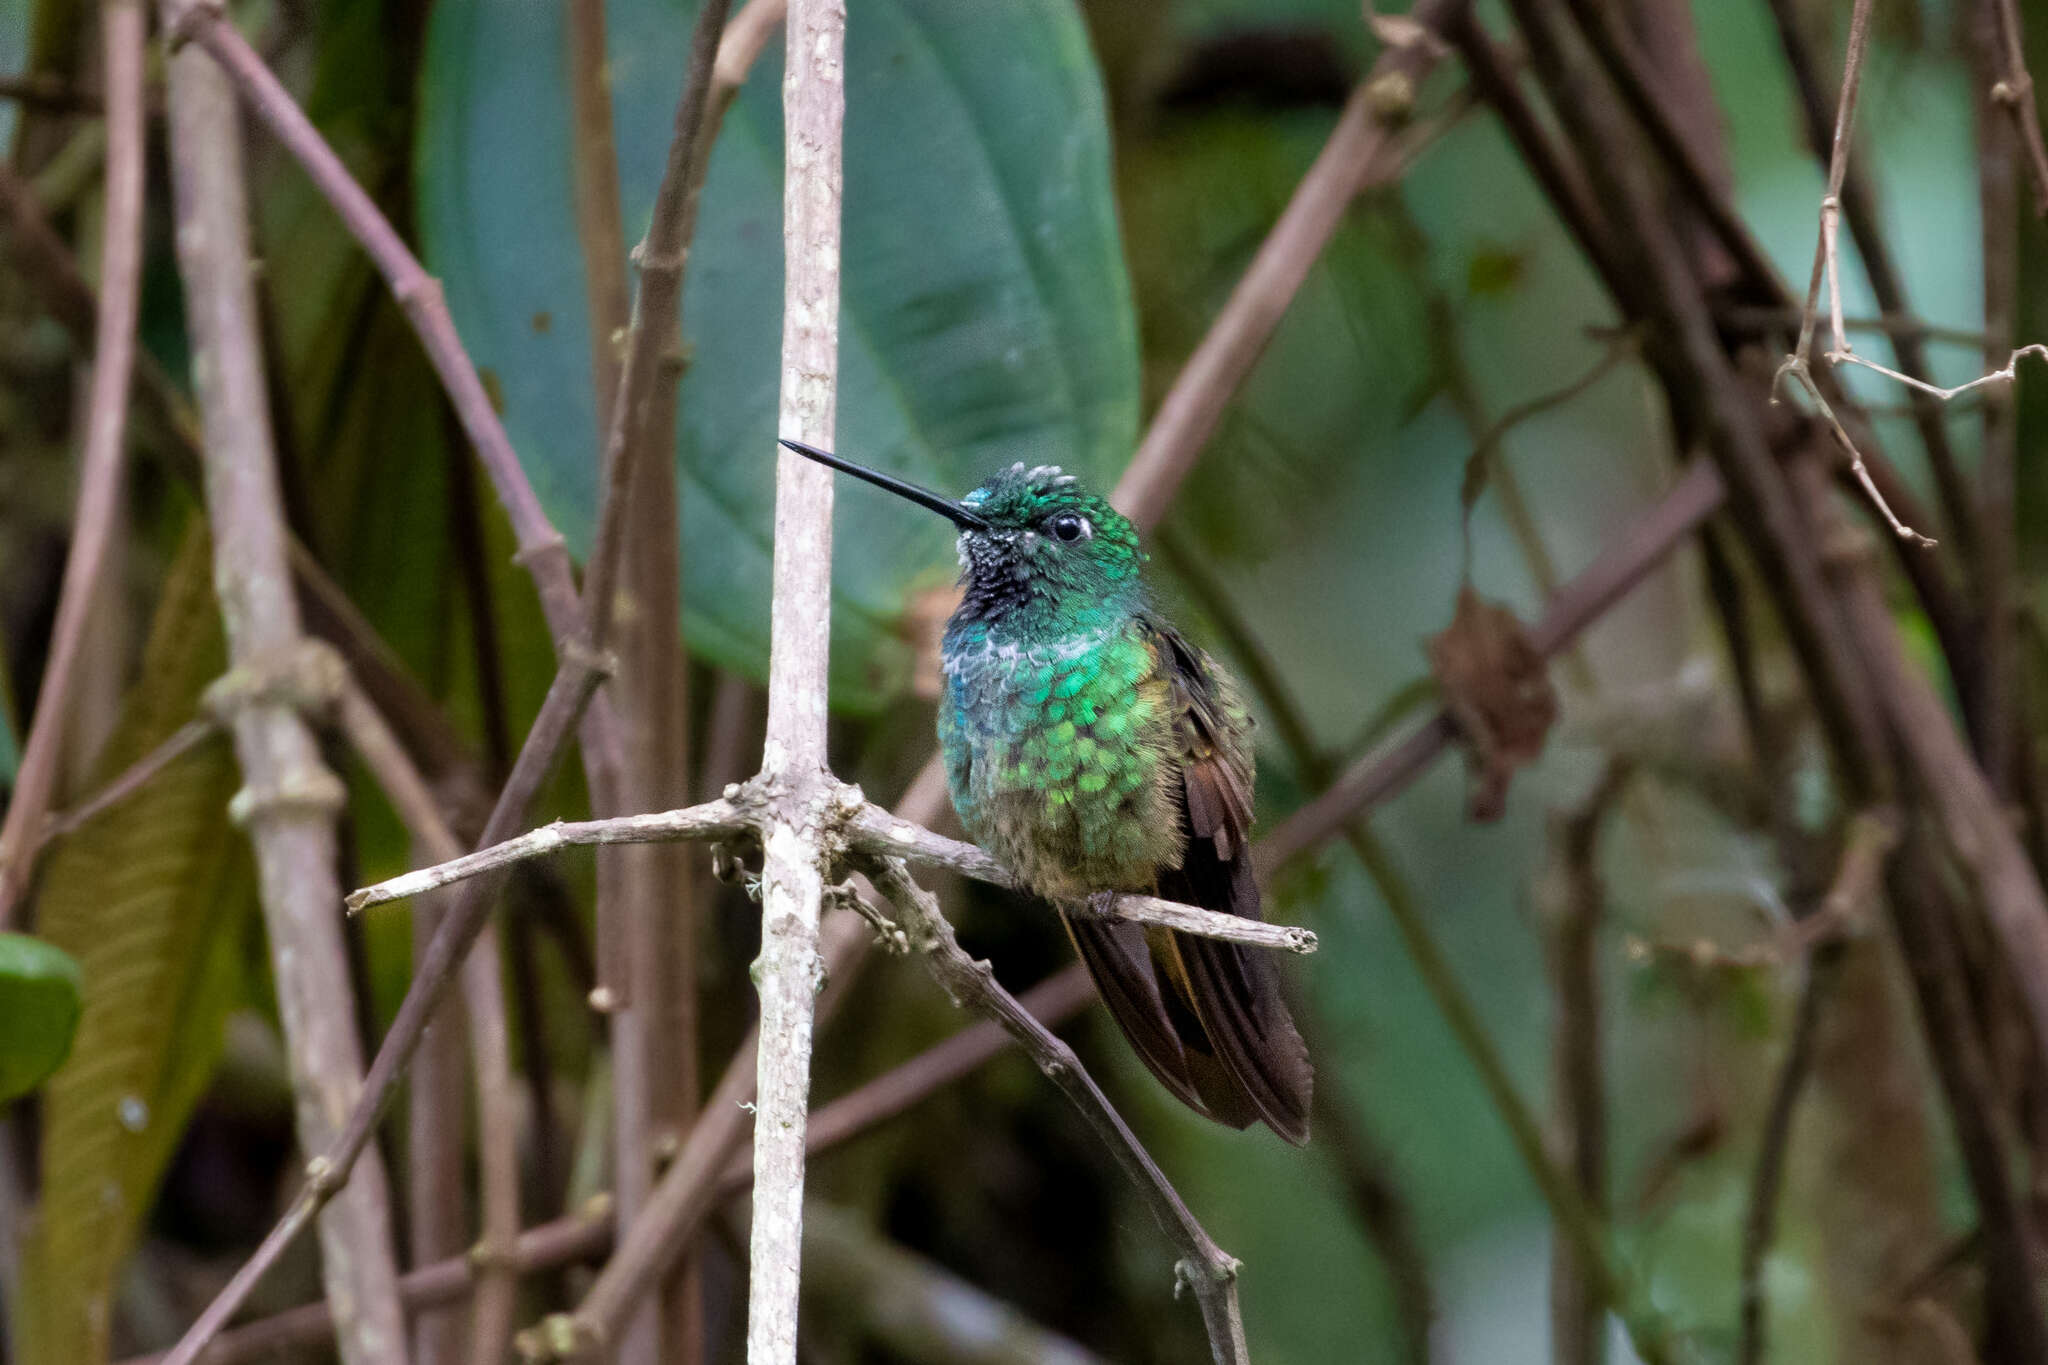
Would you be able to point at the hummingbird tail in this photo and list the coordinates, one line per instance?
(1207, 1018)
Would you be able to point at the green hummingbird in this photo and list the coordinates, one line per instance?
(1094, 750)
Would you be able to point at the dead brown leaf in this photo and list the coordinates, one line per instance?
(1497, 690)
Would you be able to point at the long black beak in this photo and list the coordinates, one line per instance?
(960, 515)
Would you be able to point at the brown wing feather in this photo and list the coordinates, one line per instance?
(1229, 993)
(1117, 958)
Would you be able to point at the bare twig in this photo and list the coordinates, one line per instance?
(133, 779)
(289, 797)
(1205, 1268)
(1639, 83)
(1188, 415)
(100, 481)
(483, 996)
(867, 829)
(1887, 283)
(436, 1152)
(1797, 366)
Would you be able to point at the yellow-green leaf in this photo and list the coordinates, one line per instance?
(148, 898)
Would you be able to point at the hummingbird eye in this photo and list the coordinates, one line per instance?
(1070, 527)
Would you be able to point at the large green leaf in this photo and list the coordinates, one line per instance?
(38, 1011)
(985, 318)
(146, 897)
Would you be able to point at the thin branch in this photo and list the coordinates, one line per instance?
(1188, 415)
(436, 1152)
(124, 25)
(1880, 266)
(1205, 1268)
(289, 797)
(714, 820)
(794, 769)
(2015, 92)
(874, 831)
(133, 779)
(1051, 1002)
(867, 829)
(1797, 366)
(483, 996)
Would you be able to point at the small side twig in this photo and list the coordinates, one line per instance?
(1206, 1269)
(133, 779)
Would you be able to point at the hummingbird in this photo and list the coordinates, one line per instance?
(1093, 750)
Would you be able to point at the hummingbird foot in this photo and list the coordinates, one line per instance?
(888, 933)
(730, 862)
(1098, 905)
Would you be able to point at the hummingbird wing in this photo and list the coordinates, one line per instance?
(1206, 1017)
(1232, 991)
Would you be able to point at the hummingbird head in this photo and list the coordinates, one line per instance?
(1037, 547)
(1050, 545)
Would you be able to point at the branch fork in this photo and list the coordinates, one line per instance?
(846, 825)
